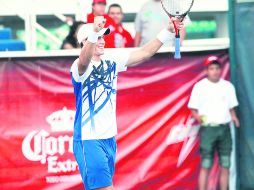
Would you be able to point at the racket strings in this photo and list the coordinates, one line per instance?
(177, 7)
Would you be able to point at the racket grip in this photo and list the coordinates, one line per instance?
(177, 48)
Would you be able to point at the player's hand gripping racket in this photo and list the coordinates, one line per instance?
(177, 9)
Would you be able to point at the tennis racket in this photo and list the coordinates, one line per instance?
(177, 9)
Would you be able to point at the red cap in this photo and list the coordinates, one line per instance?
(210, 60)
(99, 1)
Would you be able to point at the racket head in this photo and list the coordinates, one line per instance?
(177, 8)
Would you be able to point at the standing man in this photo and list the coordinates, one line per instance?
(212, 104)
(150, 20)
(122, 37)
(99, 9)
(94, 78)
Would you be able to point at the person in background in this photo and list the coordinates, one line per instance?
(70, 42)
(122, 37)
(212, 104)
(99, 9)
(150, 20)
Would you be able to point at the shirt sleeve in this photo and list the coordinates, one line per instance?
(232, 97)
(75, 73)
(194, 102)
(121, 58)
(129, 39)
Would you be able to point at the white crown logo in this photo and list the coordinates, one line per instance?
(62, 120)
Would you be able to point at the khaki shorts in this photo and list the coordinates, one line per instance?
(216, 138)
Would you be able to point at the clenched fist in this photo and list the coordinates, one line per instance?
(99, 22)
(178, 24)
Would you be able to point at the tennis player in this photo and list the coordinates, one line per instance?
(94, 78)
(212, 104)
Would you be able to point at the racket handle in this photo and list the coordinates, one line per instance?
(177, 47)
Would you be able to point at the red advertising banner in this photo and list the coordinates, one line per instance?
(157, 139)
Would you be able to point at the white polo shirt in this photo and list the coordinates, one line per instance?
(95, 93)
(213, 100)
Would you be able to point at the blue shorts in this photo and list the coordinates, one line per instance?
(96, 161)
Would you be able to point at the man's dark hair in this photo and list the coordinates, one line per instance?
(214, 63)
(115, 5)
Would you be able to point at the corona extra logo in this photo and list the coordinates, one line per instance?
(41, 146)
(61, 120)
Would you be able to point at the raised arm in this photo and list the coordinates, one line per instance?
(149, 49)
(144, 53)
(88, 48)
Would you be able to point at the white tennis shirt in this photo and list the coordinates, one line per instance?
(95, 93)
(213, 100)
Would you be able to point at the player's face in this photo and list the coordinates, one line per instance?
(99, 48)
(99, 9)
(116, 14)
(214, 72)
